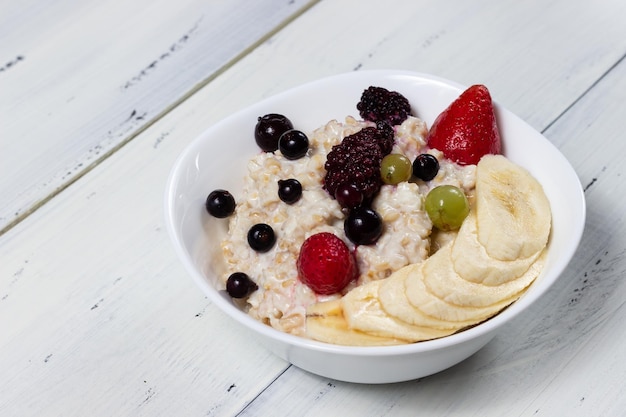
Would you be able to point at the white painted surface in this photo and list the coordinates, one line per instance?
(97, 316)
(78, 79)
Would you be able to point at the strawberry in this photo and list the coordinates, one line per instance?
(326, 264)
(467, 129)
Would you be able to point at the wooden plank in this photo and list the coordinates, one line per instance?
(99, 318)
(79, 79)
(539, 47)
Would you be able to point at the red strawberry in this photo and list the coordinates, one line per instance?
(326, 264)
(467, 129)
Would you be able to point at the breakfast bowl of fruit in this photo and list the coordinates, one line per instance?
(374, 226)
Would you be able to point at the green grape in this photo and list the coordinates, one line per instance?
(447, 207)
(395, 168)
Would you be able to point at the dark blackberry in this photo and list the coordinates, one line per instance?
(378, 103)
(356, 160)
(385, 137)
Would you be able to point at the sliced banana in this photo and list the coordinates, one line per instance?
(363, 312)
(325, 322)
(513, 214)
(472, 262)
(441, 280)
(335, 330)
(393, 299)
(325, 308)
(419, 296)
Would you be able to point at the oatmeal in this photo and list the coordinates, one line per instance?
(282, 299)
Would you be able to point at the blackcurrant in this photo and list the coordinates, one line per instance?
(425, 167)
(220, 203)
(348, 195)
(268, 130)
(363, 226)
(239, 285)
(293, 144)
(261, 237)
(289, 190)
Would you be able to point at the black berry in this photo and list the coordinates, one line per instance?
(356, 160)
(239, 285)
(261, 237)
(348, 196)
(289, 190)
(268, 130)
(363, 226)
(293, 144)
(378, 103)
(425, 167)
(220, 203)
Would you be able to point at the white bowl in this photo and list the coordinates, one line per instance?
(217, 159)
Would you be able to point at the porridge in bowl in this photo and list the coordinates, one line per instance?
(395, 252)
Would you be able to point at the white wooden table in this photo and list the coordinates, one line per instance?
(97, 99)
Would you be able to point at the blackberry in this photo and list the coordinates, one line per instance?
(356, 160)
(385, 137)
(378, 104)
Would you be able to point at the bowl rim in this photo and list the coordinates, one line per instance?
(460, 337)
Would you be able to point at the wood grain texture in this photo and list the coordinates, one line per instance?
(78, 79)
(98, 317)
(97, 314)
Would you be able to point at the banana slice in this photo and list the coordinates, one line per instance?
(325, 322)
(325, 308)
(441, 280)
(513, 217)
(420, 297)
(363, 312)
(393, 299)
(472, 262)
